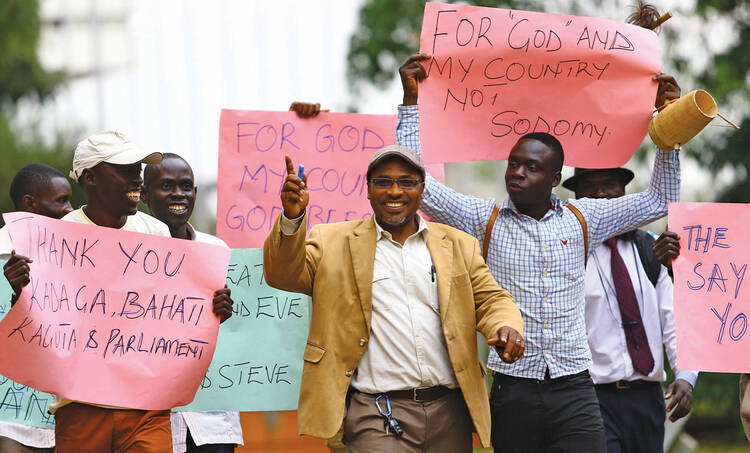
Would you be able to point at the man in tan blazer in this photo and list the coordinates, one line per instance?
(397, 301)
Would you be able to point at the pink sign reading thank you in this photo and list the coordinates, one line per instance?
(711, 303)
(497, 74)
(111, 317)
(334, 148)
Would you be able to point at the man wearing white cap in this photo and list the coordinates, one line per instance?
(108, 168)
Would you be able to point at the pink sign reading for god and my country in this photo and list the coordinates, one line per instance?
(711, 302)
(334, 148)
(496, 75)
(111, 317)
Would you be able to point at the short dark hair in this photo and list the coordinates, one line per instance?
(150, 167)
(551, 142)
(29, 179)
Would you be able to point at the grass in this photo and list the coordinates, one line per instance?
(702, 448)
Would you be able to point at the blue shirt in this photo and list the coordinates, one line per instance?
(541, 262)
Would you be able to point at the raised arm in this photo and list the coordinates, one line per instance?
(610, 217)
(289, 262)
(441, 203)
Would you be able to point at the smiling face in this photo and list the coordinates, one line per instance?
(395, 208)
(533, 170)
(170, 192)
(113, 190)
(53, 199)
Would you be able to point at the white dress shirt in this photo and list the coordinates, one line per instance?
(406, 349)
(205, 427)
(606, 336)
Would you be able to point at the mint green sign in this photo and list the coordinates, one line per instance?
(257, 365)
(19, 403)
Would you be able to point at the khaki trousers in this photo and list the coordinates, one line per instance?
(442, 425)
(81, 428)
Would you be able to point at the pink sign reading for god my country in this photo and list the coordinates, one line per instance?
(334, 148)
(497, 74)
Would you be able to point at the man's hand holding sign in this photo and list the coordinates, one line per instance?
(16, 271)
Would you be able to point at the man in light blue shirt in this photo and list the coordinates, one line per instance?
(537, 250)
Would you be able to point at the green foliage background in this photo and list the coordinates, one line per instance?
(23, 80)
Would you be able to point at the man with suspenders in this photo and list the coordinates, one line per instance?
(536, 248)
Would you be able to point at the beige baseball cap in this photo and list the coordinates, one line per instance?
(111, 147)
(403, 152)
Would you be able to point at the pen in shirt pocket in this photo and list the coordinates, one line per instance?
(432, 273)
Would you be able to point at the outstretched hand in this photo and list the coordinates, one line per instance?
(412, 72)
(17, 272)
(294, 194)
(509, 344)
(668, 89)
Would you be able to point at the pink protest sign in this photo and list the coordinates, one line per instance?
(496, 75)
(334, 148)
(111, 317)
(711, 303)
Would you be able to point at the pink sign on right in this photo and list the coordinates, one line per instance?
(496, 75)
(711, 302)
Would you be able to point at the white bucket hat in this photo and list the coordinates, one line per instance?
(111, 147)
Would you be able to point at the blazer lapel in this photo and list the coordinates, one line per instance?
(362, 248)
(441, 252)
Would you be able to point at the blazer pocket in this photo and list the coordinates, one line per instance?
(313, 353)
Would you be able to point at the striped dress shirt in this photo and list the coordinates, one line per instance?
(541, 262)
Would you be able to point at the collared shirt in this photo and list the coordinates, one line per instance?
(406, 348)
(541, 262)
(604, 324)
(30, 436)
(205, 427)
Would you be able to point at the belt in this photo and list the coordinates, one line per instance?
(626, 385)
(547, 378)
(420, 395)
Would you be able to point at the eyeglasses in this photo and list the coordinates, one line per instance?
(403, 183)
